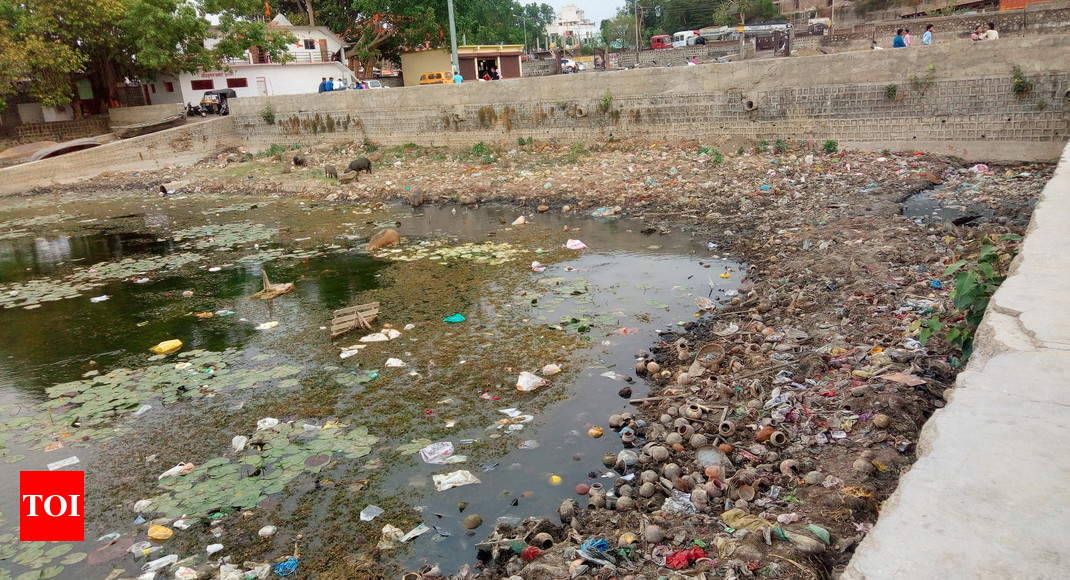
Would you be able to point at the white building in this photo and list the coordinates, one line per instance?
(572, 27)
(317, 53)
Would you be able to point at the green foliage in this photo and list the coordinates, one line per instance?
(480, 152)
(780, 146)
(761, 146)
(275, 149)
(728, 13)
(891, 91)
(976, 280)
(1020, 85)
(606, 103)
(521, 141)
(830, 146)
(575, 151)
(714, 155)
(370, 146)
(268, 114)
(46, 45)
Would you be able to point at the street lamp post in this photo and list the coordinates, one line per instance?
(453, 39)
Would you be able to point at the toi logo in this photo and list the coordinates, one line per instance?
(51, 506)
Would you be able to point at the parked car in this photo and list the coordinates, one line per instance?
(437, 78)
(661, 41)
(570, 66)
(375, 84)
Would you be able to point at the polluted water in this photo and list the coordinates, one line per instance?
(234, 434)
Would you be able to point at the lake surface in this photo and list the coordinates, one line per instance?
(77, 378)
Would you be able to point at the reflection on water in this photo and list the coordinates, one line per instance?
(589, 312)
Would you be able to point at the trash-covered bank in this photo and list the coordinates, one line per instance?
(766, 429)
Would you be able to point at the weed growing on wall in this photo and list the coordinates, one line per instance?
(1020, 85)
(761, 146)
(891, 92)
(268, 114)
(830, 146)
(923, 84)
(606, 103)
(780, 146)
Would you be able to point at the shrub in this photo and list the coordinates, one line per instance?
(268, 114)
(830, 146)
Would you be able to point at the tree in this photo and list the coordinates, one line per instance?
(54, 43)
(619, 31)
(740, 12)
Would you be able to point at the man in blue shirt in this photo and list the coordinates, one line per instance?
(323, 85)
(457, 78)
(927, 38)
(330, 84)
(898, 41)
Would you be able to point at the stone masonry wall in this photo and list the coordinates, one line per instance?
(58, 131)
(963, 104)
(179, 146)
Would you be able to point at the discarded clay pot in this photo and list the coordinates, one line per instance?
(653, 534)
(609, 460)
(693, 411)
(658, 453)
(648, 476)
(762, 435)
(647, 489)
(543, 540)
(685, 431)
(627, 435)
(778, 438)
(745, 492)
(670, 471)
(708, 357)
(624, 504)
(472, 521)
(726, 429)
(653, 367)
(595, 432)
(627, 539)
(615, 421)
(697, 440)
(789, 467)
(881, 420)
(673, 437)
(582, 489)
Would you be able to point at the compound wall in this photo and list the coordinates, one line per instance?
(944, 99)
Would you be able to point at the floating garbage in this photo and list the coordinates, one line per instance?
(160, 533)
(381, 336)
(454, 318)
(575, 245)
(266, 423)
(520, 221)
(287, 567)
(438, 453)
(395, 363)
(444, 481)
(370, 513)
(73, 460)
(537, 267)
(167, 346)
(267, 325)
(101, 298)
(530, 381)
(266, 531)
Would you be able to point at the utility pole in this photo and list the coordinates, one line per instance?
(453, 39)
(637, 23)
(524, 23)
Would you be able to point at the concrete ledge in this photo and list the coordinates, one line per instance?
(133, 115)
(988, 496)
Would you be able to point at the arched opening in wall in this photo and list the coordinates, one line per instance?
(749, 104)
(64, 148)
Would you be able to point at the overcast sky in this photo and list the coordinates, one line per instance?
(596, 10)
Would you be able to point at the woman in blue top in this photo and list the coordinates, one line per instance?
(898, 41)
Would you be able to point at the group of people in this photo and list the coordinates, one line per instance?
(980, 34)
(490, 74)
(329, 84)
(903, 38)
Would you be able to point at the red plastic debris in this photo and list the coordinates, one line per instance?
(529, 553)
(684, 558)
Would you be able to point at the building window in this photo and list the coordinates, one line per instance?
(237, 83)
(203, 85)
(169, 86)
(310, 44)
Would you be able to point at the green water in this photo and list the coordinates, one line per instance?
(348, 424)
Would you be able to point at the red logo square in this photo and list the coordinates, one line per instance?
(52, 506)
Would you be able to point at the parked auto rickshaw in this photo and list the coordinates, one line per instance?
(215, 101)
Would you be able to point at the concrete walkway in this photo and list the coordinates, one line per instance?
(989, 496)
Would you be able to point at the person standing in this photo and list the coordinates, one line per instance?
(330, 84)
(927, 37)
(907, 38)
(991, 33)
(323, 85)
(457, 78)
(897, 41)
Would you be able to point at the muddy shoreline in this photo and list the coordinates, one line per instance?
(811, 410)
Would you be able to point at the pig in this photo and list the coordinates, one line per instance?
(331, 172)
(384, 238)
(299, 160)
(360, 164)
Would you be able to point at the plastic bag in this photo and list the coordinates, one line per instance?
(575, 245)
(167, 346)
(530, 381)
(444, 481)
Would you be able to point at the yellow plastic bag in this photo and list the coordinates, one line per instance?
(160, 533)
(167, 346)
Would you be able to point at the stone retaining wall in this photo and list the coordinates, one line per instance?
(947, 100)
(57, 131)
(132, 115)
(179, 146)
